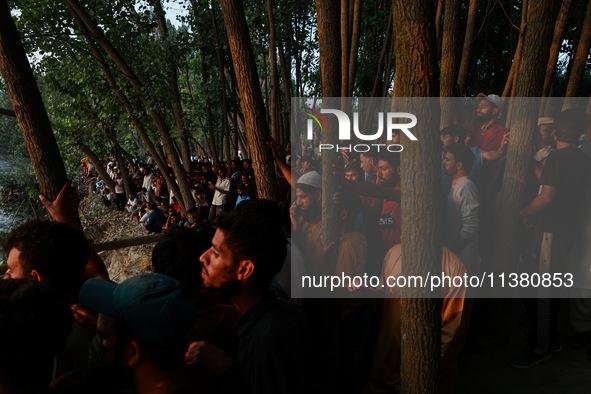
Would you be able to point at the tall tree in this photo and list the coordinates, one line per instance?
(559, 28)
(29, 108)
(251, 96)
(451, 21)
(467, 49)
(536, 48)
(416, 74)
(580, 59)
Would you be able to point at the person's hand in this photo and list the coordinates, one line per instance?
(526, 223)
(275, 147)
(64, 209)
(209, 356)
(85, 317)
(504, 143)
(296, 218)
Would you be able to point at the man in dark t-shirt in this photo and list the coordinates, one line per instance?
(564, 182)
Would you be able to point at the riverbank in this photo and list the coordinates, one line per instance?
(103, 224)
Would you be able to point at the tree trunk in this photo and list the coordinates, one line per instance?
(579, 61)
(344, 47)
(451, 21)
(286, 76)
(559, 28)
(99, 166)
(29, 108)
(378, 79)
(174, 87)
(438, 15)
(329, 33)
(275, 102)
(251, 97)
(416, 76)
(467, 50)
(353, 53)
(511, 85)
(536, 48)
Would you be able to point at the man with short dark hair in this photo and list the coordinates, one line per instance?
(463, 209)
(369, 164)
(246, 253)
(155, 220)
(222, 189)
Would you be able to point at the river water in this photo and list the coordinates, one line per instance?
(11, 215)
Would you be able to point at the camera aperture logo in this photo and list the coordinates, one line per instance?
(345, 127)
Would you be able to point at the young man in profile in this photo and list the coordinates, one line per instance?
(246, 253)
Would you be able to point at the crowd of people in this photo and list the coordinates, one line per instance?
(215, 189)
(224, 310)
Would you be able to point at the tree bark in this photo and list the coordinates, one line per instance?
(511, 85)
(416, 76)
(451, 21)
(580, 60)
(355, 36)
(536, 48)
(220, 58)
(177, 108)
(29, 108)
(559, 28)
(251, 97)
(467, 50)
(275, 100)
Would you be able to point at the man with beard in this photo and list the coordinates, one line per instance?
(491, 132)
(246, 253)
(142, 324)
(463, 209)
(390, 218)
(306, 220)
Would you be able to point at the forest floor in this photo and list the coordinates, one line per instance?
(497, 338)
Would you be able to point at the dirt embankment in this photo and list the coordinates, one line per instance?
(102, 224)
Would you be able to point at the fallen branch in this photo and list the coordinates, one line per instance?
(125, 243)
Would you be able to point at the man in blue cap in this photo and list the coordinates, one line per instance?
(142, 324)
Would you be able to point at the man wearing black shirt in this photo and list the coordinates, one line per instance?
(246, 254)
(554, 212)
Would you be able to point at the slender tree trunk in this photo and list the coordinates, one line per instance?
(438, 15)
(467, 50)
(218, 51)
(451, 21)
(530, 83)
(174, 87)
(275, 102)
(286, 76)
(516, 66)
(378, 80)
(344, 48)
(29, 108)
(96, 162)
(355, 36)
(416, 76)
(580, 60)
(559, 28)
(251, 97)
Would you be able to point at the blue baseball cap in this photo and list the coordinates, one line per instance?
(156, 307)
